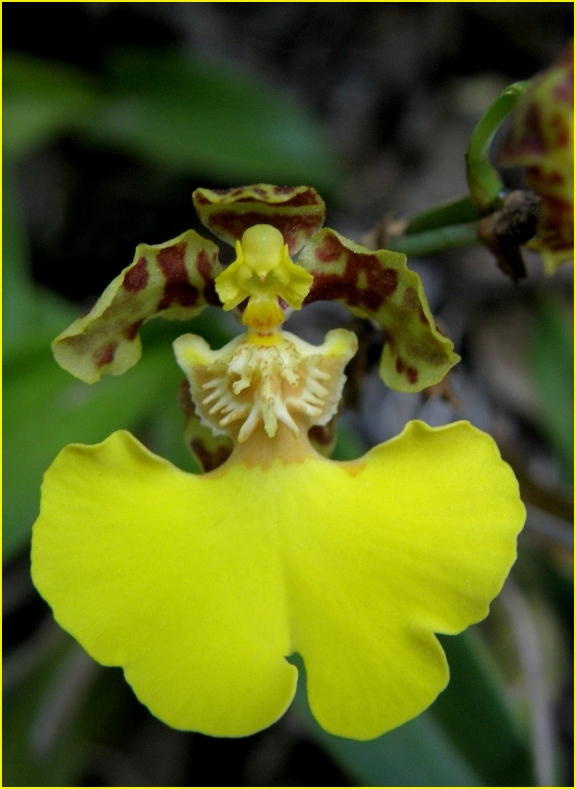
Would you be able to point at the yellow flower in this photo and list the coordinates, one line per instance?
(201, 586)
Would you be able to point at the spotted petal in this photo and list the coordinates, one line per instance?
(378, 285)
(296, 211)
(200, 586)
(541, 138)
(174, 279)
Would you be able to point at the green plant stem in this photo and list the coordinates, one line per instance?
(438, 240)
(484, 180)
(452, 212)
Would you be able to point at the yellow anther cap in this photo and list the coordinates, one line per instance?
(263, 272)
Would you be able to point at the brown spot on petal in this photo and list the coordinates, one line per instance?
(209, 460)
(171, 261)
(106, 354)
(137, 277)
(234, 224)
(301, 199)
(322, 434)
(559, 125)
(544, 178)
(204, 266)
(412, 374)
(532, 142)
(400, 365)
(329, 250)
(131, 331)
(177, 288)
(380, 282)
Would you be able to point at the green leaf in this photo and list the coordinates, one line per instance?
(18, 296)
(475, 714)
(39, 750)
(551, 361)
(41, 99)
(55, 718)
(202, 117)
(27, 308)
(193, 116)
(348, 445)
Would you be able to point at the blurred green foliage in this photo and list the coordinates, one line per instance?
(181, 114)
(551, 360)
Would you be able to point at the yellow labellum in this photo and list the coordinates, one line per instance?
(201, 586)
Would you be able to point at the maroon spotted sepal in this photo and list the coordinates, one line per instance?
(296, 211)
(174, 280)
(378, 285)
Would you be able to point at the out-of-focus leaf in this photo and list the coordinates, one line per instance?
(27, 309)
(18, 301)
(164, 435)
(476, 716)
(348, 445)
(203, 117)
(416, 754)
(45, 409)
(186, 115)
(551, 360)
(42, 98)
(24, 764)
(54, 719)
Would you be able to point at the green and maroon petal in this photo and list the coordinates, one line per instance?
(378, 285)
(296, 211)
(541, 139)
(174, 279)
(208, 450)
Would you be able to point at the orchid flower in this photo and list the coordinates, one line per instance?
(541, 139)
(202, 586)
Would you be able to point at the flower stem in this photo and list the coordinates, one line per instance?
(438, 240)
(483, 179)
